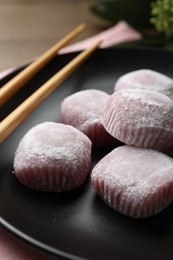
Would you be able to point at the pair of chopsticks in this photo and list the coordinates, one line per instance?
(10, 123)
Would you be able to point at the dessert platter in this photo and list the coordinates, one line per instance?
(76, 223)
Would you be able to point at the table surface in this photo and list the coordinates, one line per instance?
(29, 28)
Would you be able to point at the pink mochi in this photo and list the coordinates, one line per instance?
(142, 118)
(84, 110)
(136, 182)
(146, 79)
(53, 157)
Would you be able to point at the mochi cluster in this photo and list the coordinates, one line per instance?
(137, 178)
(134, 179)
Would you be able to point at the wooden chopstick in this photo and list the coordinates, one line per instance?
(23, 110)
(11, 87)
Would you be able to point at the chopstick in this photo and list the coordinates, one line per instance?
(12, 86)
(22, 111)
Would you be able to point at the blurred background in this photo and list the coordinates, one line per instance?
(30, 27)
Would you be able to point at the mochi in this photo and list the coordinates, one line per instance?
(146, 79)
(53, 157)
(84, 110)
(136, 182)
(142, 118)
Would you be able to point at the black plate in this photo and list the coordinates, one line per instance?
(78, 224)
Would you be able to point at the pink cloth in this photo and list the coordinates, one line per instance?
(3, 74)
(11, 247)
(121, 32)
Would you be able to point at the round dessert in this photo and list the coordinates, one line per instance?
(84, 110)
(136, 182)
(53, 157)
(141, 118)
(146, 79)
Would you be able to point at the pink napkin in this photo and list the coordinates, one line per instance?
(121, 32)
(11, 247)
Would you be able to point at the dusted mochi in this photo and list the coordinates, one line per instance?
(146, 79)
(141, 118)
(84, 110)
(136, 182)
(53, 157)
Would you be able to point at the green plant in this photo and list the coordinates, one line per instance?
(153, 18)
(162, 17)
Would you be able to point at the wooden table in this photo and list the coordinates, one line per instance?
(28, 28)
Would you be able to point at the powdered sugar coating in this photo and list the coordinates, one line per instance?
(53, 157)
(146, 79)
(139, 117)
(84, 110)
(137, 182)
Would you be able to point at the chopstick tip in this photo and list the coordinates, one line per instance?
(82, 26)
(98, 43)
